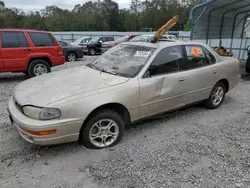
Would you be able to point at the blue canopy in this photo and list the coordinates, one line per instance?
(219, 19)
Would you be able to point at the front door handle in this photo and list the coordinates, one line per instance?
(215, 72)
(182, 80)
(27, 50)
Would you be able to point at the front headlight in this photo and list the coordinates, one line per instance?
(41, 113)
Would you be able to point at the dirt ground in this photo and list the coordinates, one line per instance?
(194, 147)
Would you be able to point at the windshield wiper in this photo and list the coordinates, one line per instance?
(106, 71)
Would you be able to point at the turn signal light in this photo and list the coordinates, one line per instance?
(39, 133)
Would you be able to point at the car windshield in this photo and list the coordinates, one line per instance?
(141, 38)
(94, 40)
(78, 40)
(122, 39)
(124, 60)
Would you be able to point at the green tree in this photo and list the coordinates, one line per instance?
(2, 5)
(101, 15)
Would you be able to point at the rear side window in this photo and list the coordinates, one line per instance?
(14, 40)
(41, 39)
(210, 57)
(195, 57)
(109, 38)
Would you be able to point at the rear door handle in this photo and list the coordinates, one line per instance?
(182, 80)
(215, 72)
(27, 50)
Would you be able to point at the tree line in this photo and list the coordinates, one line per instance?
(101, 15)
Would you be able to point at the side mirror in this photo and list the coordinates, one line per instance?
(147, 74)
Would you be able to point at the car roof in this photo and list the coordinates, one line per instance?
(27, 30)
(163, 44)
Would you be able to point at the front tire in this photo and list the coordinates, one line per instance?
(104, 129)
(38, 67)
(217, 96)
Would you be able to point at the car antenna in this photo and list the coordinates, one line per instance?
(164, 29)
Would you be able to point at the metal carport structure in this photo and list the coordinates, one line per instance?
(221, 23)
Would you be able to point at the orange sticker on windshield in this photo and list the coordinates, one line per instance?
(195, 51)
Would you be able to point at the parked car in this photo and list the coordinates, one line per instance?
(81, 41)
(29, 51)
(95, 45)
(109, 44)
(71, 52)
(146, 38)
(130, 82)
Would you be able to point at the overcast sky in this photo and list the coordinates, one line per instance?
(32, 5)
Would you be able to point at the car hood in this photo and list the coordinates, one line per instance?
(46, 89)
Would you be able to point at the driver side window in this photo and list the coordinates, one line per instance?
(168, 60)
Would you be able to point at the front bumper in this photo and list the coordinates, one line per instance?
(79, 53)
(66, 130)
(234, 82)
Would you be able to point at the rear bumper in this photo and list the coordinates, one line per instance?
(66, 130)
(79, 54)
(55, 61)
(234, 82)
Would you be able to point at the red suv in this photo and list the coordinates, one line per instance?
(29, 51)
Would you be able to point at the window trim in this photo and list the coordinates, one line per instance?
(186, 57)
(50, 36)
(18, 41)
(211, 63)
(65, 44)
(158, 75)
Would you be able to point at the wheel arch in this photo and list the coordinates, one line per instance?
(226, 83)
(47, 59)
(117, 107)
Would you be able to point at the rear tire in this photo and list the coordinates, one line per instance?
(104, 129)
(71, 57)
(38, 67)
(217, 96)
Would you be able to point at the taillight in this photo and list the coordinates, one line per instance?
(60, 51)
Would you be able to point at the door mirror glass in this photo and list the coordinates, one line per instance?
(147, 74)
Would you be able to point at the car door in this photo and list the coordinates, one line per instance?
(163, 87)
(99, 44)
(44, 43)
(15, 49)
(202, 73)
(1, 60)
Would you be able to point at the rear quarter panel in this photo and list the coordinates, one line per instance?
(231, 68)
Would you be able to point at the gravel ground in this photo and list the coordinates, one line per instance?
(194, 147)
